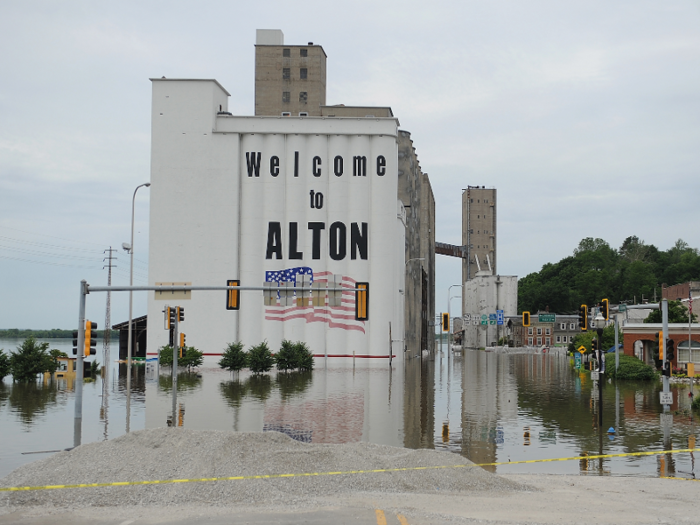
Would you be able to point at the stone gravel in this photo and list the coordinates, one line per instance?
(166, 453)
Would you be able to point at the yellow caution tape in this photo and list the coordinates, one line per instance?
(346, 472)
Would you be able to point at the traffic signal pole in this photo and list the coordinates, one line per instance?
(175, 355)
(664, 321)
(78, 421)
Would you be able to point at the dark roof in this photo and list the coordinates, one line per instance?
(143, 320)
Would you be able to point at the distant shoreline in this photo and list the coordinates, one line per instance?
(55, 333)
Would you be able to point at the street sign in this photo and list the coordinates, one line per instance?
(582, 349)
(467, 317)
(475, 322)
(499, 317)
(577, 361)
(622, 308)
(492, 321)
(595, 375)
(547, 318)
(492, 317)
(666, 398)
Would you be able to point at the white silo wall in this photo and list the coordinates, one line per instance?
(216, 215)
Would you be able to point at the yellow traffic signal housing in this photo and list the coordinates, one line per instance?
(89, 347)
(445, 322)
(526, 318)
(182, 343)
(661, 345)
(583, 317)
(180, 313)
(168, 317)
(605, 309)
(362, 302)
(233, 296)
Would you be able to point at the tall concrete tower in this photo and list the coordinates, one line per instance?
(289, 80)
(479, 231)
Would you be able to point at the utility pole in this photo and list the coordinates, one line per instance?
(106, 339)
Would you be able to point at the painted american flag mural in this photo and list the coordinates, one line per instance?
(341, 317)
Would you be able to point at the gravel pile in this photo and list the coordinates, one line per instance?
(164, 453)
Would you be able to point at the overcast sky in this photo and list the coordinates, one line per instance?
(583, 114)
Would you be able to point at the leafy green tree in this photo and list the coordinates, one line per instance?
(677, 313)
(234, 358)
(4, 364)
(192, 358)
(31, 359)
(286, 357)
(165, 355)
(260, 358)
(304, 357)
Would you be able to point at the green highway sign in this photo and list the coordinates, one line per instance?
(547, 318)
(622, 308)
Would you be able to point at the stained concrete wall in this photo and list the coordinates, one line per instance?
(417, 196)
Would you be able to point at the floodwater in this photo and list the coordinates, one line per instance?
(488, 407)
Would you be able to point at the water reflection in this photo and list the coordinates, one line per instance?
(31, 400)
(185, 381)
(293, 384)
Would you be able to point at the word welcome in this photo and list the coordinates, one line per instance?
(358, 165)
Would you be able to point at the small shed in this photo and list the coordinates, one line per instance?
(138, 337)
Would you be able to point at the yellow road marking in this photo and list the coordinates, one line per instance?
(402, 519)
(303, 474)
(381, 519)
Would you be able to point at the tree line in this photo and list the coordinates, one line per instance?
(631, 273)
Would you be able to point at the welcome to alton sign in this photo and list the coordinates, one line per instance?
(295, 201)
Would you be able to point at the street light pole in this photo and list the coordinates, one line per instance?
(131, 305)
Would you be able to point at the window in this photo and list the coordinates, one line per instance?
(302, 73)
(563, 326)
(303, 52)
(286, 73)
(529, 341)
(548, 341)
(529, 331)
(539, 331)
(563, 339)
(539, 341)
(285, 96)
(286, 53)
(558, 339)
(302, 96)
(547, 331)
(572, 326)
(471, 201)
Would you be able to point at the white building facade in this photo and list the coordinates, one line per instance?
(488, 301)
(294, 200)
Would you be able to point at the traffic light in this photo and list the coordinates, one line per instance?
(605, 309)
(169, 314)
(75, 343)
(526, 318)
(445, 322)
(180, 313)
(670, 350)
(361, 302)
(182, 345)
(594, 345)
(660, 337)
(232, 296)
(583, 317)
(90, 342)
